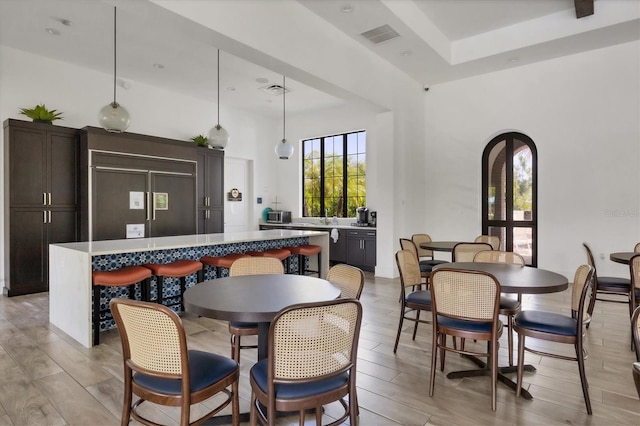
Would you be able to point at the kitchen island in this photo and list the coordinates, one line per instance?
(71, 264)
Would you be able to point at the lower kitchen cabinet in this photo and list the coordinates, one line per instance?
(361, 249)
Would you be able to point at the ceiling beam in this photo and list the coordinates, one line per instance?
(583, 8)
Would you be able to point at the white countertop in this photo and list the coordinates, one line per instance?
(181, 241)
(320, 226)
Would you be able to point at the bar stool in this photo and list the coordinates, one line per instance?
(127, 276)
(179, 269)
(281, 254)
(304, 252)
(218, 262)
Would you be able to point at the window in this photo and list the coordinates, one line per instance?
(334, 178)
(509, 193)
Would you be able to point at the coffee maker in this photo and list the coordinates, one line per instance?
(362, 216)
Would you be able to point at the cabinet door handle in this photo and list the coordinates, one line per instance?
(44, 198)
(148, 205)
(208, 201)
(208, 214)
(44, 219)
(49, 198)
(49, 216)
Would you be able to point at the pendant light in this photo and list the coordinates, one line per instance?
(218, 136)
(284, 150)
(113, 117)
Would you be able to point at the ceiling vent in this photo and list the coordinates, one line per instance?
(274, 89)
(380, 34)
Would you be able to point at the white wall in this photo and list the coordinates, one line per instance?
(583, 113)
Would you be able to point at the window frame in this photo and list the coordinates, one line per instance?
(345, 176)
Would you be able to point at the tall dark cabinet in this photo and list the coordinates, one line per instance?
(210, 199)
(41, 200)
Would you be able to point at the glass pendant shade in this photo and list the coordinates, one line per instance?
(114, 118)
(284, 150)
(218, 137)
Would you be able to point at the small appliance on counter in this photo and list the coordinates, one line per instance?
(362, 217)
(373, 219)
(278, 216)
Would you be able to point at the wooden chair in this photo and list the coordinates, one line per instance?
(635, 331)
(158, 367)
(508, 306)
(607, 286)
(465, 305)
(424, 254)
(249, 266)
(465, 252)
(489, 239)
(349, 279)
(558, 328)
(634, 293)
(415, 301)
(425, 266)
(312, 362)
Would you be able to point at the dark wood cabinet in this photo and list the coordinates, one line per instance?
(210, 198)
(41, 200)
(338, 249)
(123, 175)
(361, 249)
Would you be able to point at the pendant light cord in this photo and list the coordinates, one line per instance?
(114, 54)
(284, 114)
(218, 88)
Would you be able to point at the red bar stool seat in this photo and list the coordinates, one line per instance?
(304, 252)
(218, 262)
(282, 254)
(179, 269)
(127, 276)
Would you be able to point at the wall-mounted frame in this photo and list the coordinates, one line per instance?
(160, 201)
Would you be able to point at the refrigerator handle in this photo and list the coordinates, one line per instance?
(148, 205)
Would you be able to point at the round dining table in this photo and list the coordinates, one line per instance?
(622, 256)
(513, 279)
(446, 246)
(255, 298)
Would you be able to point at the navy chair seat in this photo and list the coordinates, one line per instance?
(422, 297)
(547, 322)
(425, 267)
(239, 324)
(479, 327)
(509, 303)
(205, 368)
(621, 283)
(293, 390)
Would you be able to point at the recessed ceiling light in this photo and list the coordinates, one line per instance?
(52, 31)
(65, 22)
(158, 66)
(262, 80)
(406, 53)
(346, 8)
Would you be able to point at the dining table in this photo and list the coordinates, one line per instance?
(445, 246)
(513, 279)
(622, 256)
(256, 299)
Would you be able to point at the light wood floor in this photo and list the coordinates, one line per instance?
(47, 378)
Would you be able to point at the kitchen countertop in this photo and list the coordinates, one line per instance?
(317, 225)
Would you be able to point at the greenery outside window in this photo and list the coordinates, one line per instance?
(334, 178)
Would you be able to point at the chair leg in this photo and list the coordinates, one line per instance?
(160, 297)
(434, 356)
(520, 363)
(128, 396)
(132, 291)
(96, 314)
(183, 288)
(592, 302)
(253, 413)
(494, 371)
(415, 326)
(395, 347)
(583, 377)
(510, 338)
(235, 404)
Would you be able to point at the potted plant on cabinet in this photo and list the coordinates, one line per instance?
(201, 140)
(40, 114)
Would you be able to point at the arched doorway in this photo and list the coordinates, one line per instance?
(509, 193)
